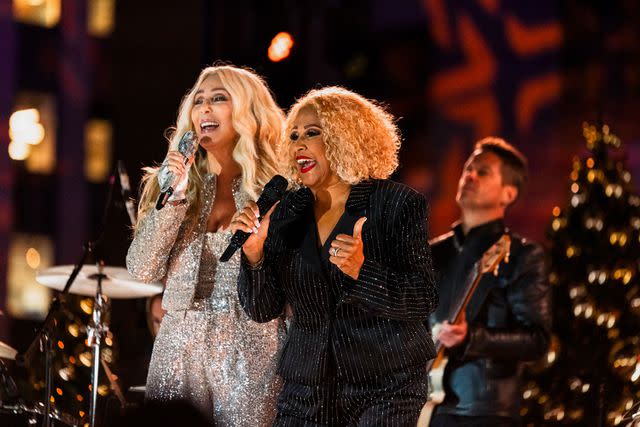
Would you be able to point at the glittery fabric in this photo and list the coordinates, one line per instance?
(207, 350)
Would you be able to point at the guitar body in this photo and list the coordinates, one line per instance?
(436, 396)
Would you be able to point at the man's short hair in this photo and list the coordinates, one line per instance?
(514, 163)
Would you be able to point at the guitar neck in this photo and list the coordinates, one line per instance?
(472, 284)
(456, 314)
(489, 261)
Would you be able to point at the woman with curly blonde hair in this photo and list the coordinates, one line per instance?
(359, 292)
(207, 351)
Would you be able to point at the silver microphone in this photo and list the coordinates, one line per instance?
(187, 147)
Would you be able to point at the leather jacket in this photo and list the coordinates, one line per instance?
(509, 320)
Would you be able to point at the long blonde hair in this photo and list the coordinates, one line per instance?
(256, 118)
(360, 137)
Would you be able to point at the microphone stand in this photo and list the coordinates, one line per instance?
(42, 339)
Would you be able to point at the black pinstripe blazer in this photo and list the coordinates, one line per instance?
(360, 329)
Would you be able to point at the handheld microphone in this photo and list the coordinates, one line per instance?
(125, 189)
(273, 191)
(187, 147)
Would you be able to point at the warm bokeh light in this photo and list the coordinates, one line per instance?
(86, 359)
(103, 389)
(280, 47)
(25, 127)
(33, 258)
(87, 305)
(19, 151)
(32, 130)
(45, 13)
(67, 373)
(21, 118)
(100, 14)
(98, 137)
(74, 331)
(32, 134)
(26, 298)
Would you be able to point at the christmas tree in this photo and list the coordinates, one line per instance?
(591, 374)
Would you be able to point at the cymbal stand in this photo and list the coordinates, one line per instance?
(43, 341)
(95, 331)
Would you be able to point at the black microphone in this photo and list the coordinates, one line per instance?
(273, 191)
(187, 147)
(125, 189)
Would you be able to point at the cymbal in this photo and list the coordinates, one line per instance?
(7, 352)
(116, 283)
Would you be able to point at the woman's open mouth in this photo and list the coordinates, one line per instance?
(305, 164)
(208, 126)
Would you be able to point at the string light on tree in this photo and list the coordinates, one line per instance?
(594, 247)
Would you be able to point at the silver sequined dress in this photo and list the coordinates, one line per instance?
(207, 350)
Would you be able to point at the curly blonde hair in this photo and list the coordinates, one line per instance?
(360, 137)
(256, 118)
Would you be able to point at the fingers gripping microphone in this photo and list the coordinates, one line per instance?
(273, 191)
(187, 147)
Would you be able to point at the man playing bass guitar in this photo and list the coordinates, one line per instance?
(508, 317)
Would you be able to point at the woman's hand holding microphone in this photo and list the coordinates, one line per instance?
(174, 173)
(175, 163)
(247, 220)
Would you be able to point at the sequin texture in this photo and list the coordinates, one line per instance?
(207, 350)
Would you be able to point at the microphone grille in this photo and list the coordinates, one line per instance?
(188, 144)
(273, 191)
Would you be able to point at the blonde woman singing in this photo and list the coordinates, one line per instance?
(207, 352)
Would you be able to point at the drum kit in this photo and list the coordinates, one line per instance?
(98, 281)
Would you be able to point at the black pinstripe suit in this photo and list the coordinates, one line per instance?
(368, 333)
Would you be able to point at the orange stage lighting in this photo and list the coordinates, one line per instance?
(280, 47)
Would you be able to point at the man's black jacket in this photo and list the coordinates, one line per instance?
(509, 319)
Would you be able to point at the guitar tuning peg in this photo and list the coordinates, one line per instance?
(506, 257)
(496, 270)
